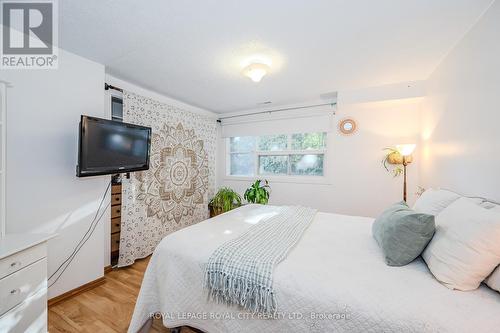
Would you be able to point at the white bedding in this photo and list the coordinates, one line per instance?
(336, 271)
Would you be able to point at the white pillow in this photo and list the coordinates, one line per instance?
(465, 248)
(433, 201)
(493, 281)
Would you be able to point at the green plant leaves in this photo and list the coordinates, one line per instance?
(225, 199)
(396, 170)
(258, 193)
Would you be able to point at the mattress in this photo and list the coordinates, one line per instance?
(334, 279)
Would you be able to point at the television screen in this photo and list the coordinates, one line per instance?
(109, 147)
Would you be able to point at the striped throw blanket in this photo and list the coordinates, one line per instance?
(241, 270)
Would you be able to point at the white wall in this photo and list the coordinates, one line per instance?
(359, 184)
(461, 115)
(43, 193)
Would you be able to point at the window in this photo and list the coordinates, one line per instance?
(300, 154)
(116, 108)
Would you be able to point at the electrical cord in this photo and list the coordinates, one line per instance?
(64, 269)
(85, 238)
(86, 233)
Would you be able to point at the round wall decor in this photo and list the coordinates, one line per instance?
(347, 126)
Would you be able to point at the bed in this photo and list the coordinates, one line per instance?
(334, 279)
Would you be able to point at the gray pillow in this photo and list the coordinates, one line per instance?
(402, 234)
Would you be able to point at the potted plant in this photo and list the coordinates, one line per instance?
(392, 161)
(258, 193)
(223, 201)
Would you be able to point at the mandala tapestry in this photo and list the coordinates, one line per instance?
(174, 192)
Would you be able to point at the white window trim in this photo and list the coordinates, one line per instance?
(297, 179)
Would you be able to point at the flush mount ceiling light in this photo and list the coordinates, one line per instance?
(256, 71)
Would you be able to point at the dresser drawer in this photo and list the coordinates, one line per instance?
(116, 189)
(116, 199)
(116, 225)
(115, 242)
(22, 259)
(22, 284)
(116, 211)
(29, 316)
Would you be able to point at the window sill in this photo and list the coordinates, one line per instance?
(315, 180)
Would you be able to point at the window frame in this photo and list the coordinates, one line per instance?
(288, 178)
(116, 100)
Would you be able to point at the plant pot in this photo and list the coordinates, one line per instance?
(214, 211)
(395, 158)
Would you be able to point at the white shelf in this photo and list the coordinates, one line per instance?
(13, 243)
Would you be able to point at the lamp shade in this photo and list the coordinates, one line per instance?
(406, 149)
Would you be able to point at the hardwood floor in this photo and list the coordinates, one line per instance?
(106, 308)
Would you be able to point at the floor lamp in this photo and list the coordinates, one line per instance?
(406, 150)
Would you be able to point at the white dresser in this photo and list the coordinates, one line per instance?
(23, 283)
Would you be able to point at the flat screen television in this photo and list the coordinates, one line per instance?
(110, 147)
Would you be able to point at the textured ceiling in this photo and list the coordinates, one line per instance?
(194, 50)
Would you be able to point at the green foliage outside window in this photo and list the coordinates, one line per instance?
(245, 152)
(304, 141)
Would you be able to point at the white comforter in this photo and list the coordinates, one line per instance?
(334, 280)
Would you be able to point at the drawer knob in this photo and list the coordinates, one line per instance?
(117, 224)
(15, 291)
(15, 263)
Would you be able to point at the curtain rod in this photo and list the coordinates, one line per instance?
(278, 110)
(108, 86)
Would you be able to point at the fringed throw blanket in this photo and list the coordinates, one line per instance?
(241, 270)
